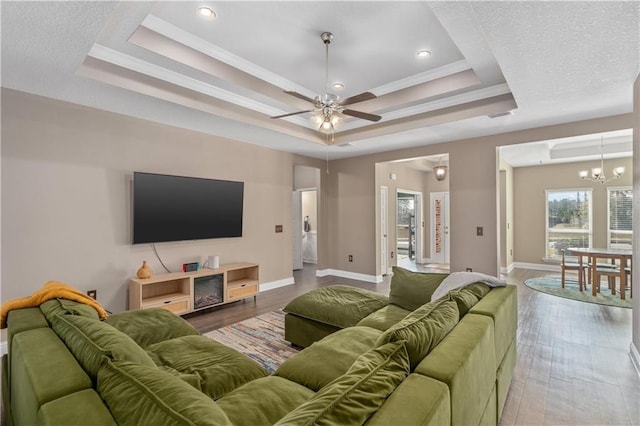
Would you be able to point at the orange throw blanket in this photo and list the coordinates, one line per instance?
(51, 290)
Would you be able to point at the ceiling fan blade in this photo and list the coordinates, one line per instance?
(364, 96)
(363, 115)
(299, 96)
(292, 113)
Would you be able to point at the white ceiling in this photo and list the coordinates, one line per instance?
(550, 62)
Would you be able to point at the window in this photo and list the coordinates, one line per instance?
(620, 215)
(568, 220)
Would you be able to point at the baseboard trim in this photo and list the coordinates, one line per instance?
(276, 284)
(508, 269)
(351, 275)
(4, 348)
(536, 266)
(635, 358)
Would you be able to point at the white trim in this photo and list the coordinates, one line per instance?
(276, 284)
(463, 98)
(635, 357)
(186, 38)
(535, 266)
(508, 269)
(4, 347)
(443, 71)
(460, 99)
(351, 275)
(120, 59)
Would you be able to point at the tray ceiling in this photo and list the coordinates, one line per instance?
(547, 62)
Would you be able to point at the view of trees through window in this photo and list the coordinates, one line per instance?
(620, 217)
(568, 220)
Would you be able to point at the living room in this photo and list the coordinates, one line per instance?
(70, 146)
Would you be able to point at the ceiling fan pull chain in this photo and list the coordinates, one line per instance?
(327, 153)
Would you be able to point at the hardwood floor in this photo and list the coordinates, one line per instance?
(573, 365)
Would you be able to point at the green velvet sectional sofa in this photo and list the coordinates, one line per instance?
(444, 362)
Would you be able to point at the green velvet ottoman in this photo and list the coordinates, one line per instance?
(320, 312)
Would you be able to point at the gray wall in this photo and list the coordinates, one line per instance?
(66, 197)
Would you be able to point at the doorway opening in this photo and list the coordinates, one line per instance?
(407, 235)
(406, 185)
(305, 216)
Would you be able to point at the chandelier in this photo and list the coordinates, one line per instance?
(597, 173)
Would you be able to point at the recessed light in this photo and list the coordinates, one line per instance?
(206, 12)
(338, 86)
(423, 53)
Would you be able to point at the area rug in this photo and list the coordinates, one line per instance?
(552, 285)
(260, 338)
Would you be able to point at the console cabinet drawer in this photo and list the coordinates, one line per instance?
(245, 290)
(175, 306)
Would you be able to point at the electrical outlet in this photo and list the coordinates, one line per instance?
(479, 231)
(469, 270)
(93, 294)
(350, 258)
(392, 255)
(278, 228)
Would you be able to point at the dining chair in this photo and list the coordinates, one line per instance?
(627, 271)
(566, 265)
(608, 269)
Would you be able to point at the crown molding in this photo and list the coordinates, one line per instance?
(181, 36)
(443, 71)
(123, 60)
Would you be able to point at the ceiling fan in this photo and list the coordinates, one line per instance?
(330, 108)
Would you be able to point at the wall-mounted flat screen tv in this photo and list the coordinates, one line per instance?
(176, 208)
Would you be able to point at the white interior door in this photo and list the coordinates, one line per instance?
(439, 224)
(384, 230)
(296, 229)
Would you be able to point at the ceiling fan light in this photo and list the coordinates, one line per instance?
(336, 120)
(317, 120)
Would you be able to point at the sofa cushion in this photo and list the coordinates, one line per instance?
(91, 340)
(338, 305)
(221, 369)
(355, 396)
(384, 318)
(54, 307)
(263, 401)
(410, 290)
(401, 407)
(467, 297)
(149, 326)
(42, 369)
(324, 361)
(141, 395)
(75, 409)
(424, 328)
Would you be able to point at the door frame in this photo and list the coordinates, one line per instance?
(384, 230)
(444, 256)
(418, 218)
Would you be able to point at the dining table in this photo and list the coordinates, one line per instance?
(623, 256)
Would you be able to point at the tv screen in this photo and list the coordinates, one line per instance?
(176, 208)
